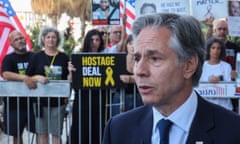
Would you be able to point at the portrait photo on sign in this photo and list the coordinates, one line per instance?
(205, 9)
(105, 12)
(144, 7)
(148, 8)
(234, 8)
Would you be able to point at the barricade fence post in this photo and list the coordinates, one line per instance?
(13, 89)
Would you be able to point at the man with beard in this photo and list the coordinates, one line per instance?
(14, 67)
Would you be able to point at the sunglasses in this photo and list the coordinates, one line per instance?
(224, 29)
(117, 32)
(103, 33)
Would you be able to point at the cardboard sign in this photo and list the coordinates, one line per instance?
(98, 70)
(164, 6)
(234, 26)
(202, 9)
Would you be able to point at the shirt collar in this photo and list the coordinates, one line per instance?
(182, 117)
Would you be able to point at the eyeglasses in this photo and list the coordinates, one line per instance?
(103, 33)
(102, 1)
(224, 29)
(117, 32)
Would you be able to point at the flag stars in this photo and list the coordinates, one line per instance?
(6, 5)
(10, 12)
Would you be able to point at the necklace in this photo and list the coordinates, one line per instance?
(47, 68)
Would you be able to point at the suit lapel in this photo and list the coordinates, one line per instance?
(201, 124)
(145, 126)
(199, 132)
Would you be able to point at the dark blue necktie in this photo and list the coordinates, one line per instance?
(164, 128)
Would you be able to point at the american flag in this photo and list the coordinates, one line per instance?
(9, 22)
(128, 6)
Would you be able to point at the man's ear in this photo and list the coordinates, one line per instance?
(190, 66)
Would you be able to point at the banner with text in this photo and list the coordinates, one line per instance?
(217, 90)
(96, 70)
(202, 9)
(164, 6)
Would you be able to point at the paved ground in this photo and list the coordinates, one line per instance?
(29, 138)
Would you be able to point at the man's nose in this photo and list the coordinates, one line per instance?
(141, 68)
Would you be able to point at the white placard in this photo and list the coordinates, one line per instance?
(163, 6)
(202, 9)
(234, 26)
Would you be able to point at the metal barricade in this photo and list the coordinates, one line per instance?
(12, 89)
(219, 90)
(93, 107)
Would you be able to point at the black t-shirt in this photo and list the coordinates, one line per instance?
(16, 63)
(40, 64)
(231, 53)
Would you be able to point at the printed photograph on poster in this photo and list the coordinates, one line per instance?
(105, 12)
(205, 9)
(165, 6)
(234, 18)
(234, 8)
(234, 26)
(148, 8)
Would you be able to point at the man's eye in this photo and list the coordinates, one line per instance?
(136, 58)
(154, 58)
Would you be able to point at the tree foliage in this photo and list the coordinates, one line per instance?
(54, 8)
(77, 8)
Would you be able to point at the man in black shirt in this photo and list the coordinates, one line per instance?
(69, 30)
(14, 67)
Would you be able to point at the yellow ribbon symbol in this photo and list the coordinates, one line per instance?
(109, 78)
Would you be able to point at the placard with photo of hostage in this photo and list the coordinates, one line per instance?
(105, 12)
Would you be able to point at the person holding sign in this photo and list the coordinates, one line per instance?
(104, 33)
(117, 36)
(168, 64)
(93, 43)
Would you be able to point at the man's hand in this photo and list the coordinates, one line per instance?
(209, 21)
(30, 82)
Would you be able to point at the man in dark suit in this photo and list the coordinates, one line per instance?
(169, 54)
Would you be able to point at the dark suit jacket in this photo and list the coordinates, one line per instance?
(212, 124)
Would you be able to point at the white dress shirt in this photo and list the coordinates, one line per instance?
(182, 119)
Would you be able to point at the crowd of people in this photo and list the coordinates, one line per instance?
(218, 28)
(164, 62)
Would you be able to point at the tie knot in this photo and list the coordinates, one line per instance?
(164, 128)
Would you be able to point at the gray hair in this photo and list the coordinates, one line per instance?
(187, 39)
(216, 22)
(45, 31)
